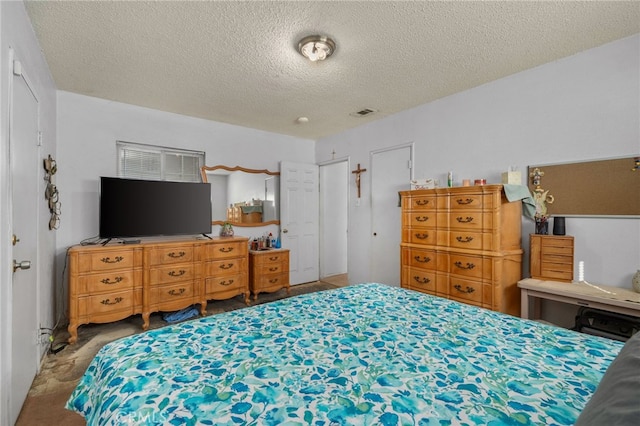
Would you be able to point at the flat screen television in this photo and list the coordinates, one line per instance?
(143, 208)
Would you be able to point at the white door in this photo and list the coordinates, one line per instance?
(299, 219)
(23, 139)
(390, 173)
(334, 206)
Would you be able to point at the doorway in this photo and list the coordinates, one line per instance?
(334, 219)
(391, 172)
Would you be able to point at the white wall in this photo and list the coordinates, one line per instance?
(16, 32)
(88, 129)
(582, 107)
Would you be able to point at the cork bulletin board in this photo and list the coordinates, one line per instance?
(592, 188)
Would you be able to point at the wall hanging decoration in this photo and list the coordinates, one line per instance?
(357, 172)
(51, 193)
(541, 198)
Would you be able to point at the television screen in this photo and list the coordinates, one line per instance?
(141, 208)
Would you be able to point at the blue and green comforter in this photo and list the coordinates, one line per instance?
(369, 354)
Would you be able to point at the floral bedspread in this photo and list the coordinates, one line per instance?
(369, 354)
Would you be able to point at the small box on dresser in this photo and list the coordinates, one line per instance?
(551, 257)
(268, 271)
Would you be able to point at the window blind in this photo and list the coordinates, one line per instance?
(139, 161)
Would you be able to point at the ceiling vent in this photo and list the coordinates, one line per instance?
(363, 112)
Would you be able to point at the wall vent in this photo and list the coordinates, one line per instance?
(363, 112)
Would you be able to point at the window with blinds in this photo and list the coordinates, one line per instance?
(137, 161)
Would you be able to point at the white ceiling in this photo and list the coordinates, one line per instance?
(236, 62)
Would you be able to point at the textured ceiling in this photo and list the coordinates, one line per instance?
(236, 62)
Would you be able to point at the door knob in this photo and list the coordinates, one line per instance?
(25, 264)
(284, 231)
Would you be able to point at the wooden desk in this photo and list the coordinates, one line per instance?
(606, 298)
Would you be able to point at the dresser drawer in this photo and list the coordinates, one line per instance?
(178, 292)
(469, 266)
(419, 202)
(172, 274)
(269, 257)
(229, 282)
(426, 219)
(419, 236)
(224, 250)
(270, 268)
(109, 281)
(466, 290)
(118, 303)
(231, 266)
(419, 279)
(262, 282)
(470, 201)
(108, 260)
(472, 220)
(417, 258)
(171, 255)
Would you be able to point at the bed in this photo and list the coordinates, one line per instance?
(368, 354)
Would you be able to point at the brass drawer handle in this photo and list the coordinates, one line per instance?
(175, 292)
(465, 239)
(226, 282)
(464, 219)
(273, 259)
(227, 266)
(422, 218)
(273, 280)
(423, 280)
(469, 290)
(117, 259)
(422, 202)
(179, 273)
(226, 249)
(422, 236)
(464, 201)
(176, 255)
(423, 259)
(275, 268)
(109, 302)
(116, 280)
(469, 265)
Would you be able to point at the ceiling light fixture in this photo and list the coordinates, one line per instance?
(316, 48)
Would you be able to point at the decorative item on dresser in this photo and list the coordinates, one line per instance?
(463, 243)
(109, 283)
(268, 271)
(551, 257)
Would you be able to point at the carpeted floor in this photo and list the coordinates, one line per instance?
(61, 372)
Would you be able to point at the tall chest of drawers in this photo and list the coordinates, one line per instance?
(463, 243)
(112, 282)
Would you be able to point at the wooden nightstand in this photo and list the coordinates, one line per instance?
(268, 271)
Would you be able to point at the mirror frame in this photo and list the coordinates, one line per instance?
(205, 169)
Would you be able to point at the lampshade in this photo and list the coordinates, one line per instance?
(316, 48)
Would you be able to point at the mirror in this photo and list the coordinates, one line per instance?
(243, 197)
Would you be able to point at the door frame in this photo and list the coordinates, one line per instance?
(347, 160)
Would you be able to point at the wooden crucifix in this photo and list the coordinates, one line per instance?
(357, 173)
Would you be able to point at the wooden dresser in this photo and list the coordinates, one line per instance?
(463, 243)
(551, 257)
(268, 271)
(109, 283)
